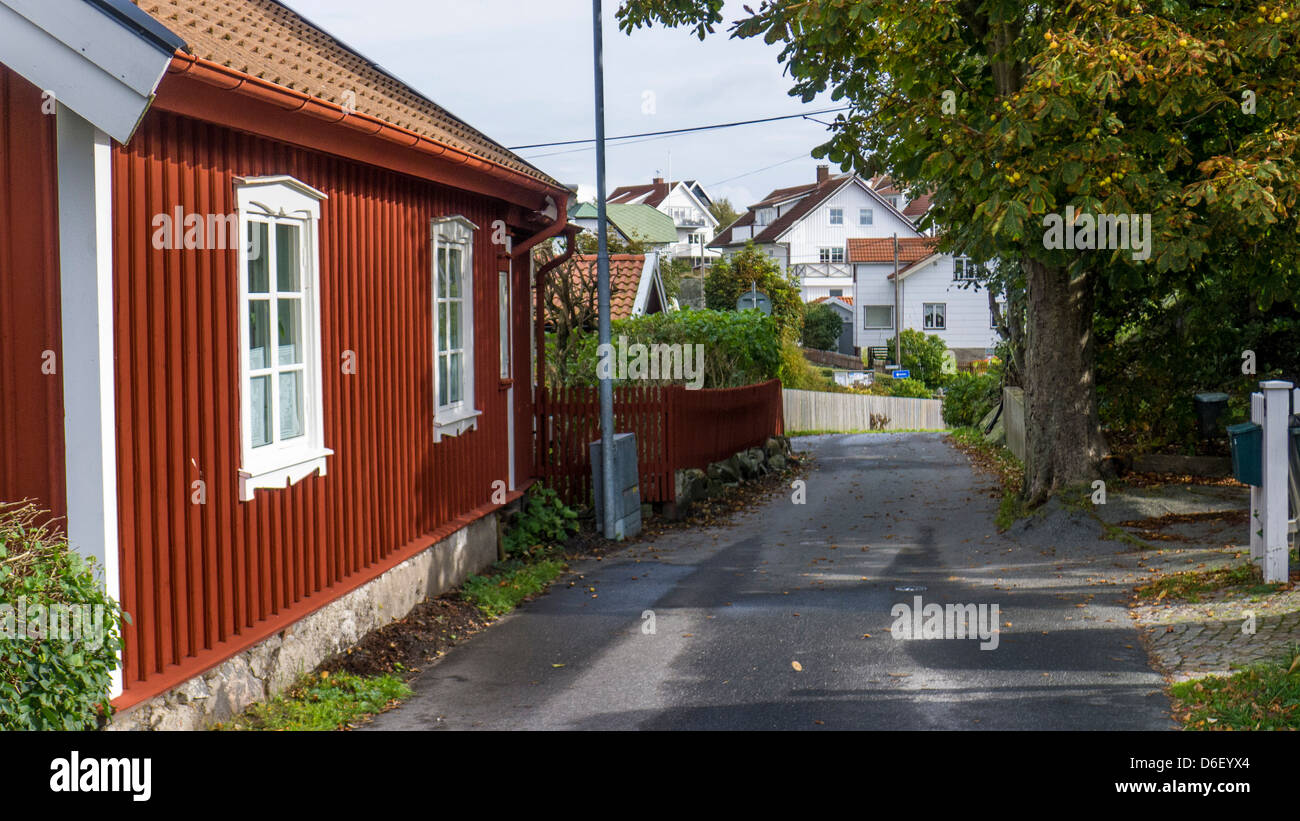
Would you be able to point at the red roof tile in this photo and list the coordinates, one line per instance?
(881, 249)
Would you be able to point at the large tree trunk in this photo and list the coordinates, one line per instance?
(1064, 442)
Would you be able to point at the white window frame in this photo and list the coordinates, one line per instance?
(460, 416)
(869, 215)
(866, 308)
(963, 270)
(830, 254)
(941, 313)
(279, 200)
(832, 213)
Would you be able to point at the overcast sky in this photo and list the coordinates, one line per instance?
(521, 72)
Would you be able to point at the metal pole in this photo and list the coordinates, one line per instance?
(898, 310)
(602, 288)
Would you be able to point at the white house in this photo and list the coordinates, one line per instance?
(687, 203)
(937, 294)
(806, 228)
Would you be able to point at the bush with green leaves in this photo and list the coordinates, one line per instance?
(739, 347)
(821, 327)
(967, 397)
(797, 373)
(57, 674)
(543, 522)
(924, 356)
(908, 388)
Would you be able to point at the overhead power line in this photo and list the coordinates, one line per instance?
(684, 130)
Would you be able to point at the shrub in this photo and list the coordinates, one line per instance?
(821, 327)
(798, 373)
(884, 385)
(740, 347)
(58, 677)
(967, 397)
(924, 356)
(543, 521)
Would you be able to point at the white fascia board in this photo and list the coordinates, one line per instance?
(644, 284)
(908, 270)
(92, 65)
(708, 215)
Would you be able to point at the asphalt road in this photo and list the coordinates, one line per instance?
(734, 608)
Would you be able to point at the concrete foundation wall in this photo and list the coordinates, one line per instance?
(1013, 420)
(272, 665)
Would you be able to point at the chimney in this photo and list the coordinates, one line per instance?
(823, 173)
(661, 187)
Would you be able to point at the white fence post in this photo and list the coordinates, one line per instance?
(1277, 412)
(1257, 493)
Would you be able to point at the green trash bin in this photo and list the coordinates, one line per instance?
(1247, 441)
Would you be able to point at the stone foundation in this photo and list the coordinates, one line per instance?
(273, 664)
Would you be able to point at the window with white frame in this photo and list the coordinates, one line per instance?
(963, 268)
(280, 357)
(452, 241)
(936, 315)
(825, 255)
(764, 216)
(865, 216)
(836, 216)
(878, 316)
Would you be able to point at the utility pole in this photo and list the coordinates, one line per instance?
(602, 288)
(898, 311)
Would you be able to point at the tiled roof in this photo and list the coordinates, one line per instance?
(847, 300)
(269, 41)
(624, 280)
(881, 249)
(884, 185)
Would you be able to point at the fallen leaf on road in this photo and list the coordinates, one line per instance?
(798, 668)
(557, 665)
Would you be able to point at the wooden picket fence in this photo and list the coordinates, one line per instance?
(675, 429)
(824, 411)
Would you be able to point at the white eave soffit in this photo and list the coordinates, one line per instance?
(92, 63)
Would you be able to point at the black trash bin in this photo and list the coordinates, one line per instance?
(1209, 407)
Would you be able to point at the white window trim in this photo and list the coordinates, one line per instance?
(867, 327)
(870, 215)
(924, 310)
(458, 417)
(830, 215)
(275, 465)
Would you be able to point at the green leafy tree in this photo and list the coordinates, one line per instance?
(1008, 113)
(821, 327)
(724, 212)
(923, 355)
(729, 278)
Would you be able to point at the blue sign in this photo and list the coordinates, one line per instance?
(902, 374)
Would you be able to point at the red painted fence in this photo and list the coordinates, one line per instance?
(675, 429)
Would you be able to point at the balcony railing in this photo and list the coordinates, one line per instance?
(803, 270)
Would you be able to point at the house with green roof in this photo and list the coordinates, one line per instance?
(647, 225)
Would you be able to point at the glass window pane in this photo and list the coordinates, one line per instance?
(258, 282)
(443, 377)
(442, 272)
(259, 331)
(260, 403)
(289, 332)
(454, 272)
(442, 326)
(455, 392)
(287, 250)
(453, 325)
(290, 405)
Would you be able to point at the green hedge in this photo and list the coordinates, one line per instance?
(967, 397)
(53, 676)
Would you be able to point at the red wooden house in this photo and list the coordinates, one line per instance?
(264, 320)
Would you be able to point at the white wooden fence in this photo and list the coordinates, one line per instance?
(823, 411)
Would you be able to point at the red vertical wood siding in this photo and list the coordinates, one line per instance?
(201, 581)
(31, 401)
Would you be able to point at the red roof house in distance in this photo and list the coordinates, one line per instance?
(288, 298)
(635, 287)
